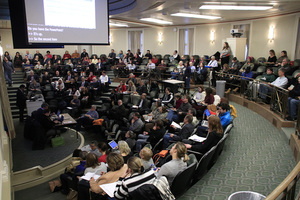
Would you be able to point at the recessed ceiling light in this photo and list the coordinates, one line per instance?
(119, 25)
(195, 16)
(232, 7)
(158, 21)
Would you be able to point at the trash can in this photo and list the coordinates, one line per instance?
(220, 88)
(246, 195)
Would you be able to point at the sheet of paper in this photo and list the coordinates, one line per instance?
(109, 188)
(89, 175)
(176, 125)
(197, 138)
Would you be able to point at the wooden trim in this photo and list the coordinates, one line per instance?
(285, 183)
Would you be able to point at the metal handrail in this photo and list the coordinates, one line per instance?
(248, 88)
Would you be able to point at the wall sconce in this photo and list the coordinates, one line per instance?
(109, 39)
(159, 38)
(271, 33)
(212, 36)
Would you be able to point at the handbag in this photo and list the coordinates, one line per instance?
(159, 155)
(73, 195)
(57, 141)
(55, 185)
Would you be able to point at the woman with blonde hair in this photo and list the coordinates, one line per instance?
(124, 149)
(177, 164)
(131, 87)
(134, 178)
(215, 134)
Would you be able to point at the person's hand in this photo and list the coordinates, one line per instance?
(146, 133)
(102, 173)
(56, 121)
(290, 89)
(180, 113)
(173, 126)
(188, 146)
(171, 135)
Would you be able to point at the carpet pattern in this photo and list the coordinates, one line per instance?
(256, 157)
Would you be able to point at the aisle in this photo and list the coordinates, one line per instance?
(256, 157)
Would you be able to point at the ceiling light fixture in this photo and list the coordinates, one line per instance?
(119, 25)
(195, 16)
(234, 7)
(158, 21)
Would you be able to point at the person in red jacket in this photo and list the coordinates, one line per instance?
(121, 88)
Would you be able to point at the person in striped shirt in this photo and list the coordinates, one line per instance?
(134, 178)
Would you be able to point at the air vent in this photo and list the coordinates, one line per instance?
(157, 4)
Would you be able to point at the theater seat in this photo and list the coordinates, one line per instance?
(218, 151)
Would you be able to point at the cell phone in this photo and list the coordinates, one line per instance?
(207, 112)
(292, 86)
(113, 144)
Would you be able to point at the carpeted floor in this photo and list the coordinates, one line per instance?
(256, 157)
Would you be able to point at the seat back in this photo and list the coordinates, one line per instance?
(296, 72)
(218, 151)
(158, 146)
(126, 99)
(102, 55)
(261, 69)
(145, 61)
(146, 192)
(166, 57)
(153, 94)
(261, 60)
(228, 128)
(183, 180)
(297, 63)
(192, 159)
(158, 56)
(135, 99)
(203, 164)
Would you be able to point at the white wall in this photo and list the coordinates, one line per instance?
(285, 38)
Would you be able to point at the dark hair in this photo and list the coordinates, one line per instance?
(285, 53)
(159, 123)
(273, 52)
(76, 153)
(189, 118)
(193, 111)
(137, 114)
(224, 106)
(22, 86)
(175, 51)
(83, 155)
(91, 160)
(224, 100)
(234, 58)
(168, 88)
(208, 91)
(270, 68)
(46, 111)
(44, 105)
(102, 146)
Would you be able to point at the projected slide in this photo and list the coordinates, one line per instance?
(57, 13)
(67, 21)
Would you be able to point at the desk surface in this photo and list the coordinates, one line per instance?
(68, 120)
(172, 81)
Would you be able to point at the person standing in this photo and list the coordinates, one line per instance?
(8, 70)
(21, 101)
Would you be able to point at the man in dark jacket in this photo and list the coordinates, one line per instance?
(8, 70)
(180, 133)
(21, 101)
(180, 113)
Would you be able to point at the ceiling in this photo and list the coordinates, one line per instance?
(131, 11)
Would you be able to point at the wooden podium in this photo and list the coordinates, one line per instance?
(238, 47)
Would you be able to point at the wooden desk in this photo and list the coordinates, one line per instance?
(68, 121)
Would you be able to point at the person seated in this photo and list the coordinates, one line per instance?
(149, 68)
(208, 100)
(131, 88)
(75, 56)
(285, 66)
(103, 149)
(70, 64)
(84, 83)
(91, 76)
(34, 88)
(146, 157)
(94, 88)
(224, 114)
(192, 112)
(128, 56)
(137, 59)
(94, 60)
(131, 78)
(293, 100)
(152, 136)
(175, 74)
(269, 76)
(27, 66)
(134, 178)
(249, 63)
(142, 88)
(215, 134)
(36, 60)
(233, 111)
(47, 123)
(104, 81)
(154, 60)
(118, 112)
(75, 105)
(271, 59)
(176, 165)
(193, 68)
(86, 61)
(119, 68)
(84, 54)
(199, 96)
(178, 114)
(194, 61)
(130, 139)
(59, 85)
(130, 66)
(283, 55)
(93, 166)
(178, 100)
(142, 105)
(32, 76)
(175, 56)
(56, 77)
(159, 113)
(148, 55)
(88, 118)
(65, 178)
(66, 56)
(68, 77)
(180, 67)
(235, 66)
(161, 68)
(48, 54)
(280, 82)
(246, 75)
(55, 59)
(167, 99)
(124, 149)
(180, 133)
(121, 88)
(38, 68)
(84, 97)
(25, 60)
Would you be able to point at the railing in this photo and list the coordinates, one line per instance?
(298, 122)
(249, 88)
(287, 188)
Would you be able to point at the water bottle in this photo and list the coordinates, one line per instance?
(153, 167)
